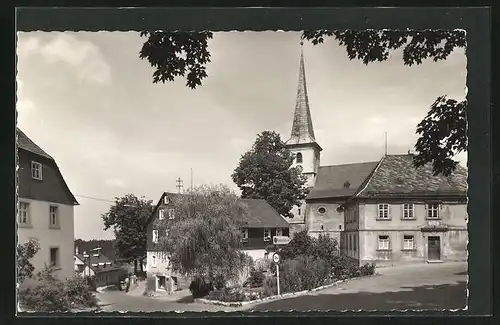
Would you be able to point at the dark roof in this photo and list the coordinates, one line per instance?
(331, 180)
(27, 144)
(262, 215)
(101, 259)
(396, 174)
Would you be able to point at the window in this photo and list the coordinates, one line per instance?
(408, 242)
(433, 211)
(340, 227)
(244, 234)
(54, 256)
(408, 211)
(24, 213)
(347, 185)
(349, 244)
(171, 214)
(36, 170)
(355, 243)
(155, 236)
(322, 210)
(166, 200)
(279, 232)
(383, 211)
(299, 158)
(267, 235)
(54, 220)
(383, 242)
(298, 211)
(161, 214)
(153, 261)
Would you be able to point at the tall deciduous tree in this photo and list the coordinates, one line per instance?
(24, 253)
(265, 172)
(205, 236)
(128, 216)
(174, 54)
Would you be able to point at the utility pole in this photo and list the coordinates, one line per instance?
(179, 185)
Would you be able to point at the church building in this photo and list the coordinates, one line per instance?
(384, 211)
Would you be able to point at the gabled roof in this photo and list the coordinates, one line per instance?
(262, 215)
(340, 180)
(27, 144)
(396, 175)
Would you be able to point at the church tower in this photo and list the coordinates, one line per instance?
(302, 141)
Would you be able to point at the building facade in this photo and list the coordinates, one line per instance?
(367, 206)
(45, 208)
(261, 225)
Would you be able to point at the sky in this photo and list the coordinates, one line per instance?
(88, 100)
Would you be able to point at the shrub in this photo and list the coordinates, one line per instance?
(78, 293)
(227, 295)
(219, 281)
(270, 287)
(303, 273)
(256, 278)
(368, 269)
(199, 287)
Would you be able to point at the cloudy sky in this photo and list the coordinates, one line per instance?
(89, 101)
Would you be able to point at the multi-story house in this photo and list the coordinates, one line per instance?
(45, 208)
(385, 211)
(261, 225)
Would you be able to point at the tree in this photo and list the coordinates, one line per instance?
(25, 253)
(128, 217)
(168, 52)
(301, 245)
(265, 172)
(205, 237)
(443, 132)
(174, 54)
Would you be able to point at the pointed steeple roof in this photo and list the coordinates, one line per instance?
(302, 128)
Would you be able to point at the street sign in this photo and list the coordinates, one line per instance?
(281, 240)
(276, 258)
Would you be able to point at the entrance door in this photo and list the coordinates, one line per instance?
(161, 282)
(434, 248)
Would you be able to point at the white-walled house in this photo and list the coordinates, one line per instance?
(45, 208)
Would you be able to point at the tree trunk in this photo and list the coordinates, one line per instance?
(135, 266)
(141, 265)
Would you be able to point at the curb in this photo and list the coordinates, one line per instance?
(275, 297)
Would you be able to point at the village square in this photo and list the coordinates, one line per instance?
(270, 212)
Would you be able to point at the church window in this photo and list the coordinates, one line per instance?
(299, 158)
(322, 210)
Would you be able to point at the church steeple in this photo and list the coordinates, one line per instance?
(302, 128)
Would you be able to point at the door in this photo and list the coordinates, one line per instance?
(434, 248)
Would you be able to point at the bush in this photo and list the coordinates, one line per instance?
(219, 282)
(256, 278)
(303, 273)
(368, 269)
(270, 287)
(199, 287)
(52, 294)
(227, 295)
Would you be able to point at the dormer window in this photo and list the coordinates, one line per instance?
(36, 170)
(166, 200)
(299, 158)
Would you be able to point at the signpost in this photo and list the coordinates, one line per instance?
(281, 240)
(276, 260)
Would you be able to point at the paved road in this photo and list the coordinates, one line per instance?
(417, 287)
(423, 286)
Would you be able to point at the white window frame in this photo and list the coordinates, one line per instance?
(384, 244)
(408, 242)
(244, 234)
(53, 216)
(433, 211)
(155, 236)
(171, 214)
(153, 261)
(408, 211)
(381, 208)
(166, 200)
(36, 170)
(279, 232)
(268, 237)
(24, 213)
(161, 214)
(57, 261)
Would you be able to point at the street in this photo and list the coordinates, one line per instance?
(422, 286)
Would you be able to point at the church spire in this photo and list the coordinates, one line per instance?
(302, 128)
